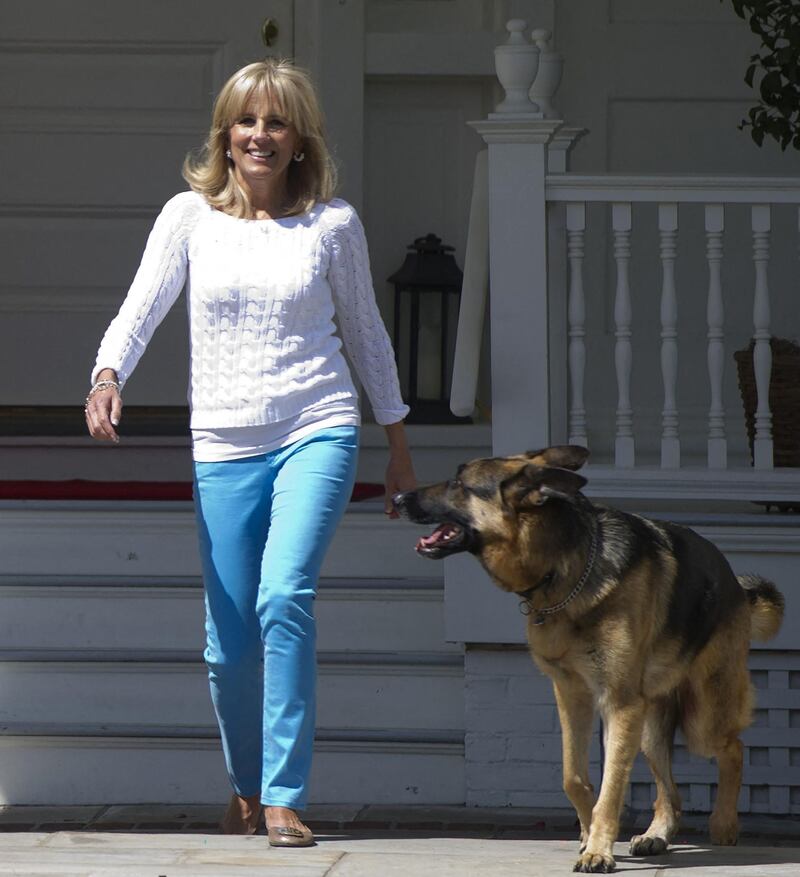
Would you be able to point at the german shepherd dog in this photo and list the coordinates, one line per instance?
(643, 619)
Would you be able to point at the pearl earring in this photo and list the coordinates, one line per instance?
(228, 154)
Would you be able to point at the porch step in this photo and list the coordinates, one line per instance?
(59, 769)
(105, 694)
(357, 692)
(148, 613)
(144, 539)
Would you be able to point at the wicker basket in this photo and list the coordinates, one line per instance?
(784, 398)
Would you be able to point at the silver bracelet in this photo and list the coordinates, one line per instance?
(101, 385)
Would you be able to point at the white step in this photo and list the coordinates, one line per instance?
(104, 692)
(355, 691)
(84, 770)
(144, 539)
(167, 615)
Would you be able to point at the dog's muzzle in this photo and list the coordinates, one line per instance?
(448, 537)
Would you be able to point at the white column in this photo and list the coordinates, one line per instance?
(624, 453)
(670, 440)
(520, 350)
(715, 317)
(576, 226)
(762, 353)
(521, 363)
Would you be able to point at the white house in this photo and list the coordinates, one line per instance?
(636, 240)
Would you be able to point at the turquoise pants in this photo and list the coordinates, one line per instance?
(265, 524)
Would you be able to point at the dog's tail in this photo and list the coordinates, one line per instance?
(766, 606)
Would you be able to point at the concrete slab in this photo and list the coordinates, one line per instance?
(174, 840)
(378, 865)
(23, 839)
(413, 840)
(346, 854)
(309, 863)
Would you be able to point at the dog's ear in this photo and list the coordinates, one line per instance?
(534, 486)
(560, 456)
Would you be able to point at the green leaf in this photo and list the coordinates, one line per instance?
(773, 72)
(770, 85)
(792, 73)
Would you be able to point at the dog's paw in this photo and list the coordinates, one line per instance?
(595, 863)
(723, 833)
(648, 845)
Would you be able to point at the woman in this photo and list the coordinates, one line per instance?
(268, 256)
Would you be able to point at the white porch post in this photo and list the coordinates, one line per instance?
(518, 293)
(517, 136)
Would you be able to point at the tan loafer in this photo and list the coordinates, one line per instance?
(284, 836)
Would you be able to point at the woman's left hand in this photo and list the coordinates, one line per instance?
(399, 477)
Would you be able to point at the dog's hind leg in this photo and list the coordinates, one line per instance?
(724, 821)
(576, 714)
(657, 738)
(722, 708)
(624, 723)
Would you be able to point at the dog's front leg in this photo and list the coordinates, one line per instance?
(576, 712)
(623, 740)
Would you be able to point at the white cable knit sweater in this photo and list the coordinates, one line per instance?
(261, 300)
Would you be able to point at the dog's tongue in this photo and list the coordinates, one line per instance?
(440, 534)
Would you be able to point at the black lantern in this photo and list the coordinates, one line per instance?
(428, 271)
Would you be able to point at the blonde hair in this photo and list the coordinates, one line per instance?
(211, 174)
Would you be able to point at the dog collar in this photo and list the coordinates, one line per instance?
(541, 615)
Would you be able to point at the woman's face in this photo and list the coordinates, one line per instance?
(262, 143)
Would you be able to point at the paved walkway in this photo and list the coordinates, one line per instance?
(411, 842)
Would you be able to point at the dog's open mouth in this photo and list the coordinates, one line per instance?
(446, 537)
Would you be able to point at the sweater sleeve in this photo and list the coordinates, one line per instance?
(157, 284)
(363, 331)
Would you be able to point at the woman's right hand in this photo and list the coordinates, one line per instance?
(104, 411)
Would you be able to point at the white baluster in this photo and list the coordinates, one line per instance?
(624, 445)
(670, 440)
(762, 353)
(576, 225)
(715, 317)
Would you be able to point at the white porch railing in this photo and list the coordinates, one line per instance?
(621, 193)
(541, 225)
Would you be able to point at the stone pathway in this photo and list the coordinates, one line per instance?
(352, 842)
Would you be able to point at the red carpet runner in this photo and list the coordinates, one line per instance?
(141, 490)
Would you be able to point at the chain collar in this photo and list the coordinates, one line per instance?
(541, 615)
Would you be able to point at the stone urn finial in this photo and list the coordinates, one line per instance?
(548, 77)
(516, 62)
